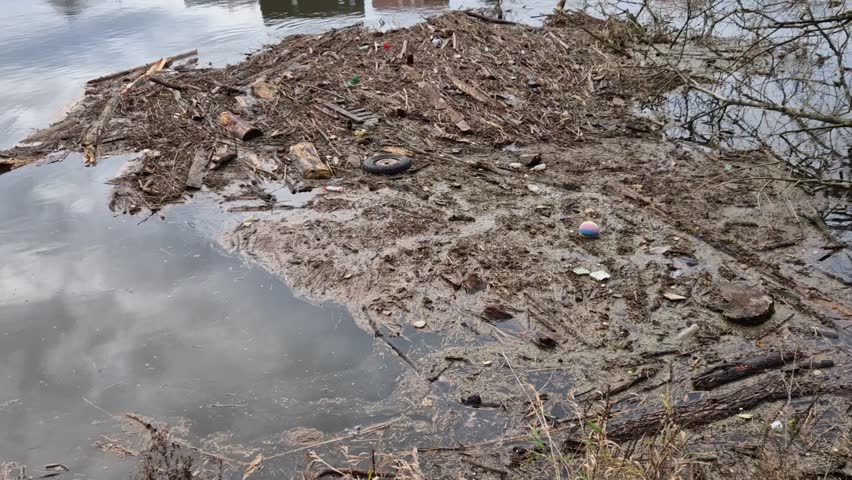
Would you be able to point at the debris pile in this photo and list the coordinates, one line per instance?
(492, 186)
(451, 85)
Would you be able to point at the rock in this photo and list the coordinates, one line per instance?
(674, 297)
(419, 323)
(581, 271)
(534, 189)
(538, 168)
(515, 166)
(744, 304)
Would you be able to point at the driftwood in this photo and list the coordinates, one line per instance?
(196, 171)
(238, 127)
(122, 73)
(732, 371)
(92, 141)
(307, 160)
(711, 408)
(488, 19)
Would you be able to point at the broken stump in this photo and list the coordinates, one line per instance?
(307, 160)
(238, 127)
(744, 304)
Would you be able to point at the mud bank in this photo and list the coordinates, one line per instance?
(469, 265)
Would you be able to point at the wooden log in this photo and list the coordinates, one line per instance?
(732, 371)
(122, 73)
(710, 408)
(238, 127)
(196, 171)
(307, 160)
(488, 19)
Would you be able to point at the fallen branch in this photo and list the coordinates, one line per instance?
(732, 371)
(488, 19)
(92, 141)
(352, 472)
(122, 73)
(709, 409)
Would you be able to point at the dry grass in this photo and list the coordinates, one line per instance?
(164, 460)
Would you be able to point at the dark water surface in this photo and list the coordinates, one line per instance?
(155, 318)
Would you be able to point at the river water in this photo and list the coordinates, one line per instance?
(101, 314)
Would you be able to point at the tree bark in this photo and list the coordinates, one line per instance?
(732, 371)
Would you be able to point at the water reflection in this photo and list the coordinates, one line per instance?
(154, 318)
(275, 9)
(409, 4)
(69, 8)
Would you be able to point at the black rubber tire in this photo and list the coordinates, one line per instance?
(386, 164)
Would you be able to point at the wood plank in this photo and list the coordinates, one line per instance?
(345, 113)
(195, 179)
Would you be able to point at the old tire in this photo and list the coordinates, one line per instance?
(387, 164)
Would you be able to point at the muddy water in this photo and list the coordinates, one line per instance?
(101, 315)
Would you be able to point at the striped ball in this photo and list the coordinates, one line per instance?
(590, 230)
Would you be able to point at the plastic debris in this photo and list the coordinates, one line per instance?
(687, 332)
(600, 275)
(534, 189)
(515, 166)
(419, 323)
(589, 230)
(539, 167)
(581, 271)
(333, 188)
(674, 297)
(356, 80)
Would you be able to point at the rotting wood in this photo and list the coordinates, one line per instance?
(238, 127)
(307, 161)
(195, 179)
(746, 367)
(263, 90)
(711, 408)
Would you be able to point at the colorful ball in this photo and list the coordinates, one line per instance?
(590, 230)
